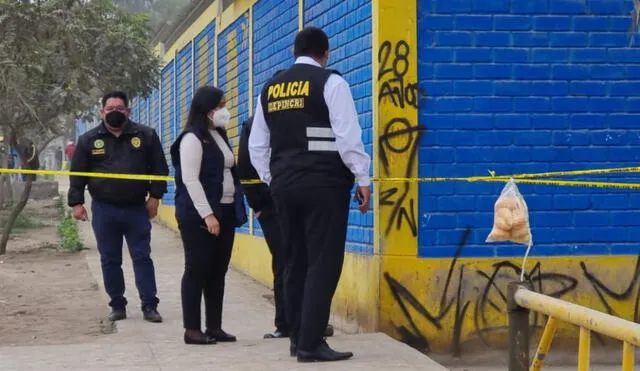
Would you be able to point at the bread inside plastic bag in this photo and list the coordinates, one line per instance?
(511, 217)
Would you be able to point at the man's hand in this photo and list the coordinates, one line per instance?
(152, 207)
(365, 198)
(80, 213)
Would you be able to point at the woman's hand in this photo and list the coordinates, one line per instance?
(213, 225)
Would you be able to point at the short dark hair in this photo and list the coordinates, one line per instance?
(115, 94)
(311, 42)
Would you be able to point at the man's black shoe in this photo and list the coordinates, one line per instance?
(323, 354)
(277, 335)
(293, 349)
(117, 314)
(220, 336)
(197, 338)
(328, 332)
(151, 315)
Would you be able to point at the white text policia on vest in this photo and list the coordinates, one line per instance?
(294, 90)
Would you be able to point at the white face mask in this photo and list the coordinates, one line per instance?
(220, 118)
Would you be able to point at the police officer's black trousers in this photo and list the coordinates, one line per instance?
(314, 224)
(270, 224)
(206, 261)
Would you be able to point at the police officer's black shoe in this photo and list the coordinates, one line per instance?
(220, 336)
(323, 354)
(277, 335)
(293, 349)
(151, 315)
(196, 337)
(117, 314)
(328, 332)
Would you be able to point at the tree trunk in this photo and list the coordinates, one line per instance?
(24, 198)
(17, 209)
(9, 184)
(4, 162)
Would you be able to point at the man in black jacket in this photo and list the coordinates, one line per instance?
(121, 208)
(259, 199)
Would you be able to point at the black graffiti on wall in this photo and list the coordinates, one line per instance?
(480, 295)
(400, 138)
(394, 66)
(605, 294)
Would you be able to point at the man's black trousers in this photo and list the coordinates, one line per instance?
(270, 224)
(314, 225)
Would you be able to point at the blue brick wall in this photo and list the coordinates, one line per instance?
(144, 111)
(184, 86)
(134, 104)
(154, 111)
(233, 72)
(348, 24)
(233, 78)
(82, 126)
(204, 48)
(275, 24)
(528, 86)
(167, 119)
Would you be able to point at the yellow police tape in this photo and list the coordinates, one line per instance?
(527, 178)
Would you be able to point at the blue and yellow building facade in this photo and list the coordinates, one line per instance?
(448, 88)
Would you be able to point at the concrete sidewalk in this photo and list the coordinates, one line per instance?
(139, 345)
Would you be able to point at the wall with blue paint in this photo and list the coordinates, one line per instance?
(275, 23)
(167, 122)
(528, 86)
(349, 27)
(272, 47)
(233, 78)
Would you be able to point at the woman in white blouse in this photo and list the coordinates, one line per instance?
(209, 206)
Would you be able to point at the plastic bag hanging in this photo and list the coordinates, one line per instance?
(511, 217)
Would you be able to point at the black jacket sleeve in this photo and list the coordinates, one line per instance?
(81, 162)
(157, 166)
(258, 195)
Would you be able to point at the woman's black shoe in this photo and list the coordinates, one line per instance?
(220, 336)
(194, 337)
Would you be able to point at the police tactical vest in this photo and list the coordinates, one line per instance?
(303, 145)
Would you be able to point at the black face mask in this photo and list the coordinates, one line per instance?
(115, 119)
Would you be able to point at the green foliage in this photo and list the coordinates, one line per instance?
(57, 57)
(68, 229)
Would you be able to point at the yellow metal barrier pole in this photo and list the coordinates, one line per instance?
(628, 356)
(593, 320)
(584, 349)
(545, 343)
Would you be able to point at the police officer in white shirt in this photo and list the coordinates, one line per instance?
(306, 144)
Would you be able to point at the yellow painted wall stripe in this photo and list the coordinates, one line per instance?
(375, 26)
(300, 15)
(396, 126)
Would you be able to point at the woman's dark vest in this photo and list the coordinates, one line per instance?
(211, 178)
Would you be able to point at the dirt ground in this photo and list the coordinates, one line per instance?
(47, 295)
